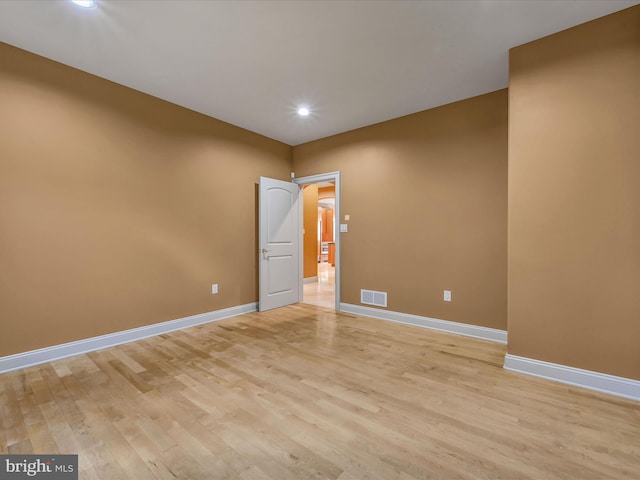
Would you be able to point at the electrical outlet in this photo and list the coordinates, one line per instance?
(447, 295)
(214, 288)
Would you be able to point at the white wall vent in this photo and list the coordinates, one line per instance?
(371, 297)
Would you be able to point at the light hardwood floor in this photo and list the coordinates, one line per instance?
(305, 393)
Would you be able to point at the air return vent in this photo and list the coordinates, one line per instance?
(371, 297)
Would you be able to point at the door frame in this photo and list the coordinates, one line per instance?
(311, 179)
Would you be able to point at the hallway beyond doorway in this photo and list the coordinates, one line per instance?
(322, 292)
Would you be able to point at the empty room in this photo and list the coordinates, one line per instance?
(342, 240)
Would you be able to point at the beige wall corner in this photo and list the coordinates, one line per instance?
(118, 210)
(427, 199)
(574, 218)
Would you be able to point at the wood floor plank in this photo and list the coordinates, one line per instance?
(14, 428)
(307, 393)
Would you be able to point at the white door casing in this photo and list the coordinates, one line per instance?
(335, 178)
(279, 243)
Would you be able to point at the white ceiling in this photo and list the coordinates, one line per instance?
(250, 63)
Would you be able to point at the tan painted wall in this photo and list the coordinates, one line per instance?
(310, 216)
(427, 195)
(327, 192)
(117, 209)
(574, 197)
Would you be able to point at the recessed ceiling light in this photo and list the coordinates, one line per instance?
(85, 3)
(303, 111)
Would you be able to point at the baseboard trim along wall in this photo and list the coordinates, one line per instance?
(310, 279)
(56, 352)
(600, 382)
(484, 333)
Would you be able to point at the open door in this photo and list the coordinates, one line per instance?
(279, 244)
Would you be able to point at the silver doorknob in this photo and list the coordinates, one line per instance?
(264, 253)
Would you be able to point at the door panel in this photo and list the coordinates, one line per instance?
(279, 256)
(279, 222)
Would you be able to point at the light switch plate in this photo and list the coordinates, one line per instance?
(344, 228)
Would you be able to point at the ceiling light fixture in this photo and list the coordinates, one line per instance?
(303, 111)
(85, 3)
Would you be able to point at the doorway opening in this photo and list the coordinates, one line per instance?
(319, 244)
(321, 240)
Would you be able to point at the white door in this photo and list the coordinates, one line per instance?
(279, 244)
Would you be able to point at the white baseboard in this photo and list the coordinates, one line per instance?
(310, 279)
(600, 382)
(484, 333)
(56, 352)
